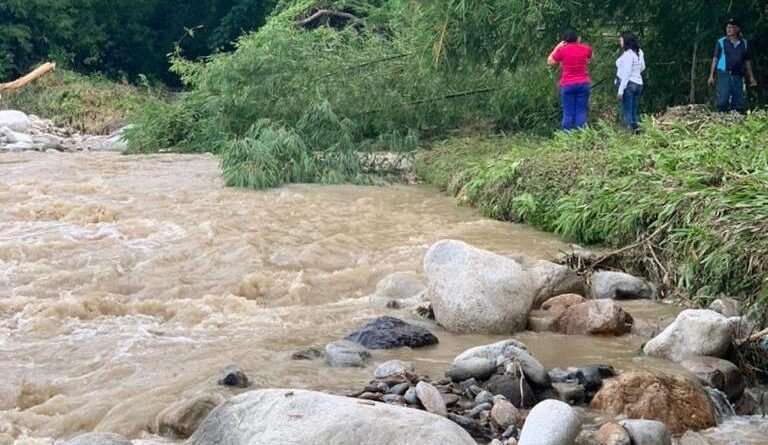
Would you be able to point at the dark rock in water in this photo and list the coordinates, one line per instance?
(484, 397)
(377, 386)
(511, 432)
(390, 398)
(98, 439)
(469, 426)
(754, 401)
(590, 378)
(474, 412)
(509, 387)
(234, 376)
(390, 332)
(411, 397)
(558, 375)
(399, 389)
(307, 354)
(466, 384)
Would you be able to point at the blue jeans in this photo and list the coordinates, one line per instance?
(730, 92)
(575, 101)
(630, 106)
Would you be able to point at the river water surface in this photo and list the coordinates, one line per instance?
(128, 283)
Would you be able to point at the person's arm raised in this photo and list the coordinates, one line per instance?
(553, 58)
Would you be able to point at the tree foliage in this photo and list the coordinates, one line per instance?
(121, 39)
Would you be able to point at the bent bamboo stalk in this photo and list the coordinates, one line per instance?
(21, 81)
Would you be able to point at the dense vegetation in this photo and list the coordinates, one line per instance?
(696, 195)
(120, 38)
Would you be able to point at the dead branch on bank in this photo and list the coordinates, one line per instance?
(325, 13)
(21, 81)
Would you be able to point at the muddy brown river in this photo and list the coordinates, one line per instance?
(128, 283)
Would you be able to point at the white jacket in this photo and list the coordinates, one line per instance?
(629, 68)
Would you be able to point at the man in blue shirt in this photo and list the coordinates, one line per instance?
(732, 61)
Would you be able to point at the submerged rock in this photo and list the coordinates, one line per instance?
(678, 402)
(346, 354)
(390, 332)
(98, 439)
(695, 332)
(234, 376)
(618, 285)
(307, 354)
(181, 419)
(550, 423)
(299, 417)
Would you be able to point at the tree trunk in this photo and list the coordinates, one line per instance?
(21, 81)
(692, 94)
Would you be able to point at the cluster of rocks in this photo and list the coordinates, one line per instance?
(22, 132)
(488, 390)
(497, 393)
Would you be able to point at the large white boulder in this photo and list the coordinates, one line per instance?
(300, 417)
(473, 290)
(695, 332)
(15, 120)
(550, 422)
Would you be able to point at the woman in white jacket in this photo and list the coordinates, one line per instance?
(629, 80)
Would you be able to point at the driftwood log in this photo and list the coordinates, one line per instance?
(36, 73)
(328, 13)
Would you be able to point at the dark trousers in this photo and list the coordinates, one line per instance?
(630, 106)
(730, 92)
(575, 101)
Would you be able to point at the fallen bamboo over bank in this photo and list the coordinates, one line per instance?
(21, 81)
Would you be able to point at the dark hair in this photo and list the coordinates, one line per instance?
(630, 42)
(570, 36)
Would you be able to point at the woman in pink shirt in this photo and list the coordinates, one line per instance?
(575, 84)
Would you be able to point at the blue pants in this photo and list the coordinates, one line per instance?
(575, 100)
(630, 106)
(730, 92)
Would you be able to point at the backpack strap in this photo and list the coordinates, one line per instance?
(721, 61)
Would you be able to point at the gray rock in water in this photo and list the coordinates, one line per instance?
(345, 354)
(299, 417)
(15, 120)
(509, 350)
(392, 367)
(411, 397)
(618, 285)
(390, 332)
(647, 432)
(98, 439)
(474, 412)
(611, 433)
(473, 290)
(431, 399)
(550, 423)
(181, 419)
(693, 438)
(234, 376)
(474, 367)
(695, 332)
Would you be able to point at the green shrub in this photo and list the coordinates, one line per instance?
(705, 191)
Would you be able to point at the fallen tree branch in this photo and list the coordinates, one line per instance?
(754, 337)
(326, 13)
(634, 245)
(21, 81)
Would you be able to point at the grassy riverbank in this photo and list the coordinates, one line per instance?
(87, 104)
(696, 194)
